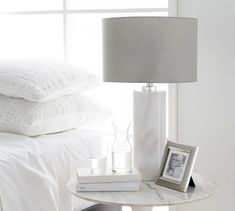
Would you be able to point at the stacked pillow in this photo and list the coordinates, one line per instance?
(38, 97)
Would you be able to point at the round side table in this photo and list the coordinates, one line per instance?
(150, 195)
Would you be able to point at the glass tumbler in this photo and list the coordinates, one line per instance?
(98, 157)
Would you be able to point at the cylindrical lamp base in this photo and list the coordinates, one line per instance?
(149, 132)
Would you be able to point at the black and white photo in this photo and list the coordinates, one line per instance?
(176, 166)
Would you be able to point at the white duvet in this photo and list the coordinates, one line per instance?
(34, 171)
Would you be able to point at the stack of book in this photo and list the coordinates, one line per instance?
(108, 181)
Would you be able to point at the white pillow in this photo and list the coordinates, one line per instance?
(28, 118)
(40, 81)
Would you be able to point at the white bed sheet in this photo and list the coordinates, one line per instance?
(34, 171)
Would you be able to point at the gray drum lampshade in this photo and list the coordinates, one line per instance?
(150, 49)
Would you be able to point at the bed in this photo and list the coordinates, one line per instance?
(45, 97)
(34, 171)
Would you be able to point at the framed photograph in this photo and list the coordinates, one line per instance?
(177, 165)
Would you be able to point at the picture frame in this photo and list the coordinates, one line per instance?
(176, 166)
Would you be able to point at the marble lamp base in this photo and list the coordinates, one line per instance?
(149, 132)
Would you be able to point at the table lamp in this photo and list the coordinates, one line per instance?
(149, 50)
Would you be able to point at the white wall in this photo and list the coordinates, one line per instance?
(207, 108)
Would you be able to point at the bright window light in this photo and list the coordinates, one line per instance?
(36, 36)
(32, 5)
(114, 4)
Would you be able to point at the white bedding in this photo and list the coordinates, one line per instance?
(34, 171)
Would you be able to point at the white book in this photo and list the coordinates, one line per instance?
(109, 186)
(84, 175)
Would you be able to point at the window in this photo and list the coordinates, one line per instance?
(71, 30)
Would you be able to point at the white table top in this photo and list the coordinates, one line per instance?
(150, 194)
